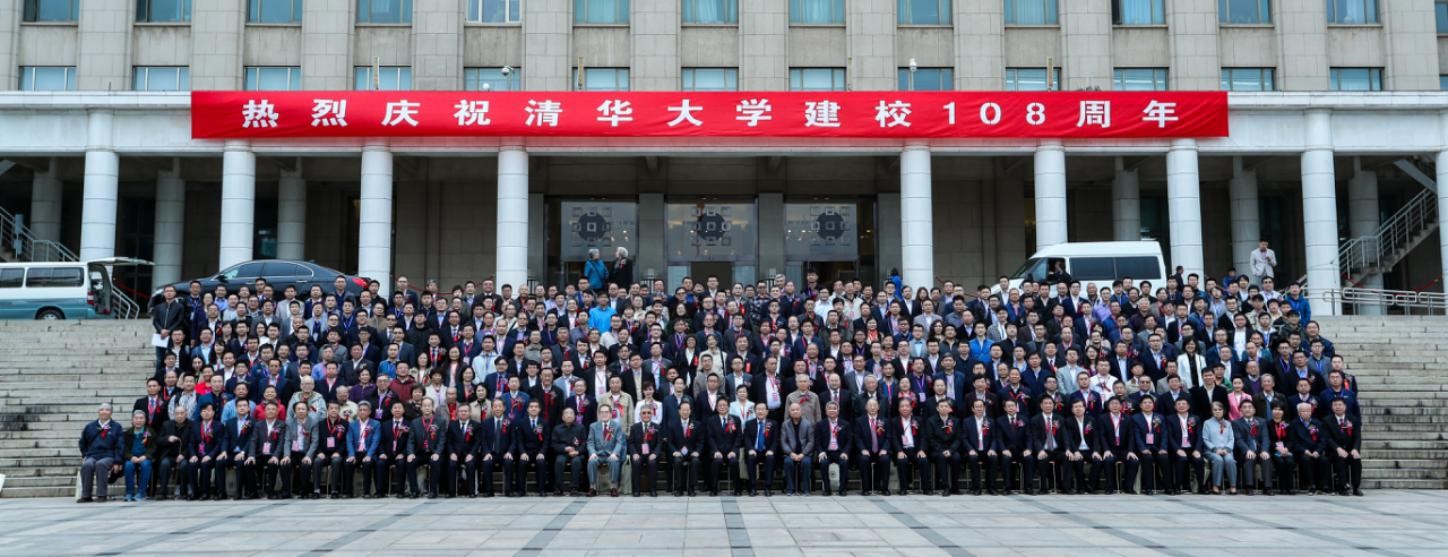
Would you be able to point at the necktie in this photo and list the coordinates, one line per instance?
(759, 439)
(874, 439)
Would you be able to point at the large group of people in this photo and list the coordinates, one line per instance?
(1195, 385)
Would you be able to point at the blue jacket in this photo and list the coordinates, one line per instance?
(354, 435)
(1303, 307)
(97, 446)
(596, 273)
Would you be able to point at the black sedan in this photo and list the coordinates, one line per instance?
(279, 273)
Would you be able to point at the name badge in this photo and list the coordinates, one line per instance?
(266, 447)
(646, 448)
(1150, 438)
(331, 442)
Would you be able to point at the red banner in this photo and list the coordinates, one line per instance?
(856, 114)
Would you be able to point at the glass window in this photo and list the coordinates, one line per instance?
(494, 11)
(54, 277)
(163, 11)
(389, 78)
(273, 78)
(1244, 11)
(926, 79)
(1440, 8)
(816, 79)
(710, 79)
(161, 78)
(711, 11)
(51, 10)
(1248, 79)
(1136, 267)
(384, 11)
(47, 78)
(12, 277)
(1032, 79)
(1139, 79)
(817, 12)
(924, 12)
(1352, 11)
(1031, 12)
(1357, 79)
(274, 11)
(1138, 12)
(492, 79)
(275, 269)
(1443, 82)
(609, 12)
(601, 79)
(1093, 268)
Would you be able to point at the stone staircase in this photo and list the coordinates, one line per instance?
(52, 376)
(1401, 363)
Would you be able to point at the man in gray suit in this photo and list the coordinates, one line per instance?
(606, 443)
(268, 443)
(297, 442)
(797, 442)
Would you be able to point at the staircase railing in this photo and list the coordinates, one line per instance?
(26, 247)
(1405, 301)
(1394, 237)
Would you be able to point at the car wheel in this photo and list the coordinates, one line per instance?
(50, 314)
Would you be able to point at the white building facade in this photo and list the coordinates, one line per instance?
(1336, 126)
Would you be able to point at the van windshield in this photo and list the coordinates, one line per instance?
(1034, 269)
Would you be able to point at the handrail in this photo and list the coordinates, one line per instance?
(31, 248)
(1392, 236)
(1409, 301)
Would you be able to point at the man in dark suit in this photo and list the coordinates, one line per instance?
(1113, 432)
(1011, 445)
(872, 438)
(206, 441)
(834, 440)
(464, 446)
(1081, 449)
(268, 444)
(644, 443)
(1046, 444)
(761, 444)
(1309, 444)
(1184, 450)
(1208, 392)
(1344, 448)
(497, 450)
(685, 437)
(1252, 444)
(983, 393)
(530, 439)
(550, 397)
(237, 454)
(910, 445)
(724, 432)
(153, 405)
(428, 449)
(1149, 444)
(569, 449)
(835, 391)
(393, 449)
(943, 439)
(978, 443)
(582, 404)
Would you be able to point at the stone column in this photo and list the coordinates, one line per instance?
(170, 226)
(917, 223)
(238, 204)
(1183, 185)
(291, 215)
(512, 262)
(1319, 213)
(1050, 194)
(1126, 203)
(1363, 219)
(46, 193)
(102, 190)
(374, 225)
(1246, 216)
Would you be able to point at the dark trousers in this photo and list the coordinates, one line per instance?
(835, 457)
(349, 474)
(575, 468)
(797, 476)
(200, 476)
(1285, 466)
(875, 471)
(686, 481)
(1007, 466)
(730, 465)
(978, 462)
(944, 468)
(645, 472)
(538, 463)
(1106, 468)
(485, 477)
(294, 477)
(462, 474)
(1050, 469)
(435, 472)
(389, 474)
(1183, 469)
(908, 466)
(754, 462)
(269, 472)
(245, 476)
(1312, 470)
(1153, 468)
(335, 462)
(162, 484)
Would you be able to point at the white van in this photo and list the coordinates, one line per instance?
(62, 290)
(1099, 262)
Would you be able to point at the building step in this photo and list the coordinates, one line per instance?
(1404, 484)
(49, 491)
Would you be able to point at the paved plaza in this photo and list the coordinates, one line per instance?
(1383, 523)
